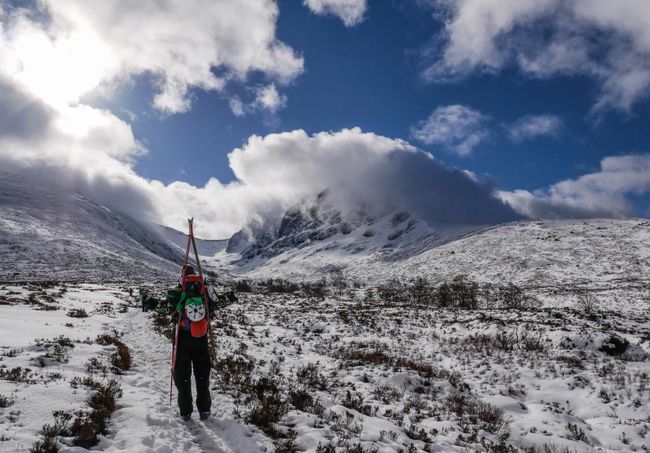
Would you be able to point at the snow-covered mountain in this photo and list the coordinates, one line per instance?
(315, 237)
(48, 232)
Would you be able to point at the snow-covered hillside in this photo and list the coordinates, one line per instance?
(51, 233)
(47, 232)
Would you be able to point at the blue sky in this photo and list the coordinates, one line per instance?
(541, 105)
(369, 76)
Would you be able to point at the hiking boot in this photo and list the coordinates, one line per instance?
(204, 415)
(186, 418)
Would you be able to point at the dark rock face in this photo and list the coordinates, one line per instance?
(297, 228)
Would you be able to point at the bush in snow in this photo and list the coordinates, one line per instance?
(4, 401)
(281, 286)
(267, 405)
(243, 286)
(77, 313)
(315, 290)
(121, 358)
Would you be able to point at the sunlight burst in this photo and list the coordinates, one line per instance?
(59, 72)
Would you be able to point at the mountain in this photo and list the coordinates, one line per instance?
(313, 239)
(48, 232)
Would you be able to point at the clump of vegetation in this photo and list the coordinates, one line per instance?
(311, 376)
(243, 286)
(83, 426)
(302, 400)
(267, 405)
(17, 374)
(507, 341)
(77, 313)
(315, 290)
(364, 354)
(234, 372)
(477, 412)
(459, 293)
(4, 401)
(163, 323)
(121, 358)
(614, 345)
(279, 285)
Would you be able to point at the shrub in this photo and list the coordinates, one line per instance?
(50, 432)
(4, 401)
(287, 445)
(356, 403)
(512, 297)
(614, 345)
(234, 372)
(315, 290)
(77, 313)
(17, 374)
(392, 292)
(121, 358)
(464, 293)
(586, 302)
(303, 401)
(310, 376)
(280, 286)
(421, 292)
(243, 286)
(465, 406)
(267, 406)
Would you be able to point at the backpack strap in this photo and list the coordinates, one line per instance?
(181, 302)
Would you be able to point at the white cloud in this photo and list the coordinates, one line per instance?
(349, 11)
(603, 39)
(268, 98)
(84, 45)
(458, 128)
(599, 194)
(532, 126)
(265, 99)
(237, 106)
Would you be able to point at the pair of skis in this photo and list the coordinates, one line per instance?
(213, 348)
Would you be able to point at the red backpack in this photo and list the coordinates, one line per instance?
(195, 314)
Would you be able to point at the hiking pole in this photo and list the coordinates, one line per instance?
(173, 358)
(213, 348)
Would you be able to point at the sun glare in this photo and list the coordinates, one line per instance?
(59, 72)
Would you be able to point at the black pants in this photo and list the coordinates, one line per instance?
(192, 352)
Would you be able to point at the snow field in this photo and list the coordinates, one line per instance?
(371, 377)
(343, 374)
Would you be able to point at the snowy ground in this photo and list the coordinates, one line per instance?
(144, 420)
(348, 373)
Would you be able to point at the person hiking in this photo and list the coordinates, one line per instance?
(192, 347)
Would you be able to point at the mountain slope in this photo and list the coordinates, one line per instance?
(315, 237)
(49, 232)
(609, 253)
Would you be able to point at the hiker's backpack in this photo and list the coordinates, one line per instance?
(194, 315)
